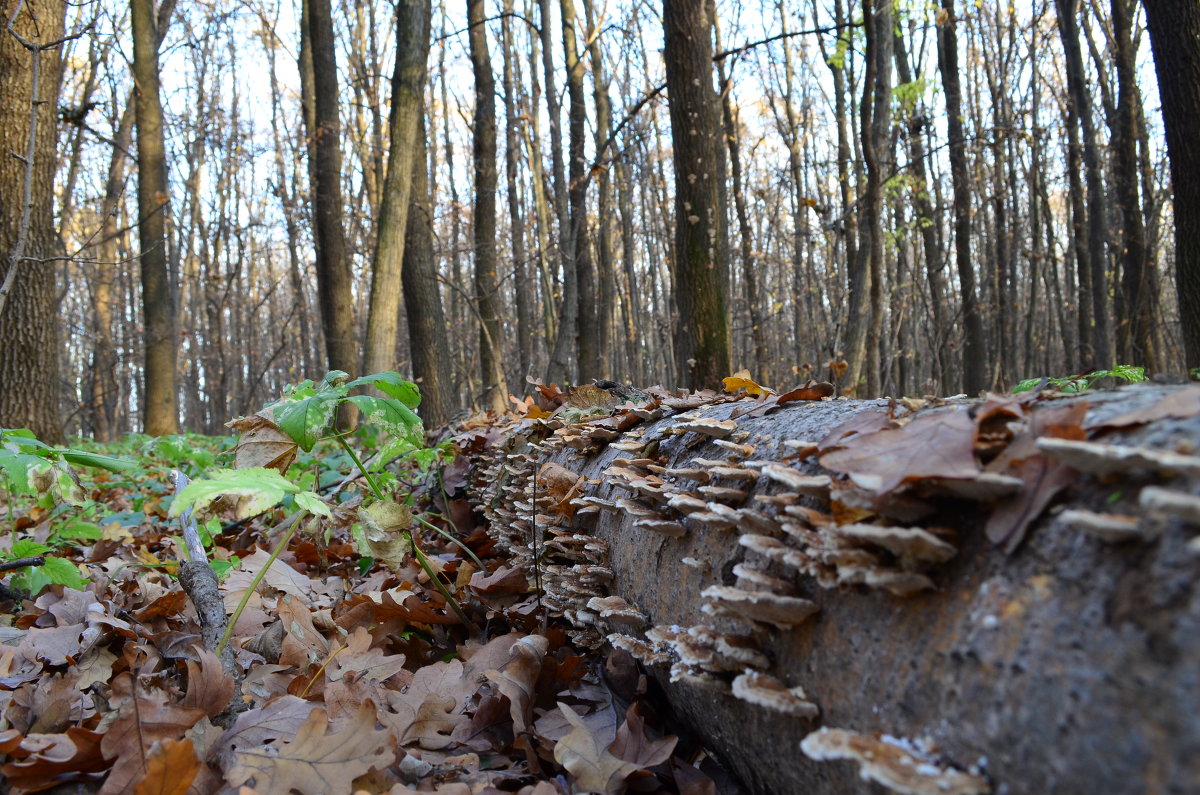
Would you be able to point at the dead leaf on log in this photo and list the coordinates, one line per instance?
(1177, 405)
(934, 445)
(1043, 477)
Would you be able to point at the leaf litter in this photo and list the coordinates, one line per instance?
(348, 680)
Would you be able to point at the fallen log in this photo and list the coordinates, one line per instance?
(951, 596)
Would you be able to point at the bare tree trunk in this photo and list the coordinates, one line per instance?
(974, 349)
(1135, 326)
(524, 293)
(491, 344)
(702, 334)
(426, 321)
(334, 279)
(160, 407)
(1080, 98)
(30, 79)
(413, 20)
(605, 275)
(1174, 36)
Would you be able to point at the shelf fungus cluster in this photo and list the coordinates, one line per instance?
(903, 766)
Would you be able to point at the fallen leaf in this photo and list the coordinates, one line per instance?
(171, 766)
(145, 717)
(210, 689)
(504, 581)
(934, 445)
(278, 719)
(591, 765)
(518, 678)
(810, 391)
(742, 380)
(314, 763)
(47, 759)
(634, 746)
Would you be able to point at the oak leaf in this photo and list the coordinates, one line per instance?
(742, 380)
(314, 763)
(588, 760)
(171, 766)
(144, 718)
(261, 443)
(519, 677)
(633, 745)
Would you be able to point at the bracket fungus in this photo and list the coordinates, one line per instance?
(761, 606)
(1173, 503)
(899, 765)
(617, 612)
(718, 429)
(913, 546)
(1108, 459)
(812, 485)
(766, 691)
(1109, 527)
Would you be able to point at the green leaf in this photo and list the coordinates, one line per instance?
(252, 491)
(19, 466)
(27, 548)
(81, 531)
(22, 437)
(85, 459)
(393, 385)
(312, 503)
(60, 571)
(307, 420)
(391, 415)
(221, 568)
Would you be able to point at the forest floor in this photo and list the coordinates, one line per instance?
(354, 673)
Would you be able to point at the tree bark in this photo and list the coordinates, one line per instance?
(1175, 39)
(160, 411)
(494, 391)
(702, 335)
(422, 302)
(525, 293)
(334, 279)
(413, 21)
(1080, 100)
(974, 348)
(29, 321)
(1017, 666)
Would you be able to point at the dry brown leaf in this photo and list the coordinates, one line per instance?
(504, 581)
(360, 659)
(635, 747)
(52, 758)
(171, 766)
(261, 443)
(302, 644)
(145, 718)
(315, 763)
(588, 760)
(933, 445)
(1178, 405)
(277, 720)
(209, 687)
(518, 678)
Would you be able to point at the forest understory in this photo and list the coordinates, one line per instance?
(616, 590)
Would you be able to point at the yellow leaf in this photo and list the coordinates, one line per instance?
(742, 380)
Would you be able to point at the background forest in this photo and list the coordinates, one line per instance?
(904, 197)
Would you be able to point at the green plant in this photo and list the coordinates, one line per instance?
(1082, 381)
(305, 414)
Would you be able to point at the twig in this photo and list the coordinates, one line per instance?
(20, 563)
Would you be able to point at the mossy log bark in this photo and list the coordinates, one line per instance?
(1065, 665)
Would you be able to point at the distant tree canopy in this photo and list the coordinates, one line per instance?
(899, 199)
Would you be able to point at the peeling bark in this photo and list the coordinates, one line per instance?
(1065, 666)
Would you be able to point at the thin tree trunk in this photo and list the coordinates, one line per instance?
(702, 334)
(974, 349)
(524, 293)
(160, 404)
(491, 344)
(413, 20)
(334, 279)
(427, 337)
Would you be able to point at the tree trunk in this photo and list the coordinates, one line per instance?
(29, 317)
(702, 335)
(1175, 39)
(524, 293)
(413, 20)
(487, 299)
(587, 317)
(426, 324)
(974, 348)
(1016, 666)
(334, 279)
(160, 402)
(1080, 100)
